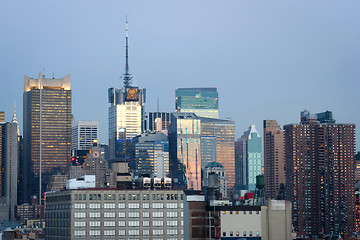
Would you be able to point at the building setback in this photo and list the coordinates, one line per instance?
(320, 176)
(114, 214)
(274, 158)
(55, 108)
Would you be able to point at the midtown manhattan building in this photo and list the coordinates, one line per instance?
(249, 163)
(115, 214)
(218, 144)
(201, 101)
(9, 162)
(185, 149)
(320, 176)
(126, 113)
(274, 158)
(47, 119)
(83, 134)
(158, 121)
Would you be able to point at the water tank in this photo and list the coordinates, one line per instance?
(157, 182)
(167, 183)
(260, 182)
(146, 182)
(213, 180)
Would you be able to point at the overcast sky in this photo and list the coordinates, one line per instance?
(268, 59)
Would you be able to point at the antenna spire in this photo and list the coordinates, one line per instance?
(127, 77)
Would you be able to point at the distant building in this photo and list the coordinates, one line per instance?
(250, 163)
(201, 101)
(55, 130)
(357, 166)
(86, 181)
(115, 214)
(9, 162)
(221, 134)
(219, 170)
(274, 158)
(83, 134)
(158, 121)
(96, 164)
(320, 183)
(185, 149)
(152, 154)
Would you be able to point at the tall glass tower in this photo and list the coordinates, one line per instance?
(201, 101)
(47, 129)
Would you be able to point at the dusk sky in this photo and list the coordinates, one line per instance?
(268, 59)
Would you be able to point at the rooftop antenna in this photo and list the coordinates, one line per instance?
(158, 104)
(127, 77)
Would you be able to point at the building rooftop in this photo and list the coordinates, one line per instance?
(214, 165)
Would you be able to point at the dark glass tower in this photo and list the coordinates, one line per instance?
(54, 126)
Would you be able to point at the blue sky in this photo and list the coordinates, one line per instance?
(268, 59)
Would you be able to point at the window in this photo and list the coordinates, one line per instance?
(134, 214)
(134, 205)
(78, 233)
(231, 234)
(237, 234)
(109, 223)
(157, 223)
(257, 234)
(250, 212)
(109, 214)
(244, 234)
(80, 205)
(109, 205)
(146, 214)
(171, 205)
(121, 205)
(145, 223)
(121, 197)
(94, 232)
(94, 214)
(134, 232)
(172, 232)
(158, 214)
(157, 205)
(223, 212)
(122, 223)
(172, 214)
(224, 234)
(146, 232)
(94, 224)
(109, 232)
(122, 214)
(109, 197)
(94, 205)
(134, 224)
(158, 232)
(80, 215)
(121, 232)
(79, 224)
(250, 233)
(146, 205)
(171, 223)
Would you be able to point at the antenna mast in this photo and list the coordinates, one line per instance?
(127, 77)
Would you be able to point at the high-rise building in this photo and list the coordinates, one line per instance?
(126, 113)
(96, 164)
(47, 130)
(185, 149)
(221, 134)
(83, 134)
(274, 158)
(250, 150)
(201, 101)
(158, 121)
(320, 176)
(2, 116)
(9, 162)
(152, 154)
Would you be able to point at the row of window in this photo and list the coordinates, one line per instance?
(129, 205)
(237, 212)
(130, 214)
(130, 196)
(237, 234)
(131, 232)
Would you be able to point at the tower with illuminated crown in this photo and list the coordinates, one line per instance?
(126, 113)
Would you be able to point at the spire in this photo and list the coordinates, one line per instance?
(14, 120)
(127, 77)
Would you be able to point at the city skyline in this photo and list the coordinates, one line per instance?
(297, 55)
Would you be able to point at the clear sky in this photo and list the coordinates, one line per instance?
(268, 59)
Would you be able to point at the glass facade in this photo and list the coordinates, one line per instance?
(55, 128)
(202, 101)
(223, 132)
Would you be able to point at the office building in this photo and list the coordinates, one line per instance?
(152, 155)
(52, 98)
(185, 151)
(2, 116)
(250, 150)
(320, 176)
(219, 133)
(9, 163)
(274, 158)
(158, 121)
(83, 134)
(114, 214)
(126, 113)
(96, 164)
(201, 101)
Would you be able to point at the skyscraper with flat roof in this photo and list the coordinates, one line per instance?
(83, 134)
(47, 129)
(185, 149)
(201, 101)
(320, 176)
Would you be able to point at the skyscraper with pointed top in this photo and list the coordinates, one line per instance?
(126, 112)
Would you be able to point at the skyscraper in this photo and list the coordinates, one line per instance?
(158, 119)
(218, 144)
(250, 149)
(185, 154)
(320, 176)
(274, 158)
(126, 113)
(9, 163)
(83, 134)
(201, 101)
(47, 121)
